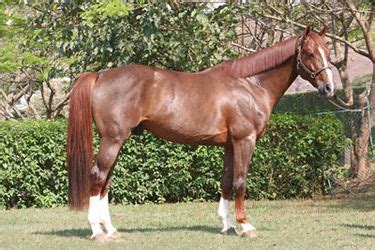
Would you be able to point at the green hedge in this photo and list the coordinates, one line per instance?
(308, 103)
(303, 104)
(291, 161)
(311, 103)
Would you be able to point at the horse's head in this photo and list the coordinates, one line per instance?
(313, 61)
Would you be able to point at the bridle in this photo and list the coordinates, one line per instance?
(313, 74)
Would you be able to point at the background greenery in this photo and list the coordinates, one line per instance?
(293, 160)
(64, 39)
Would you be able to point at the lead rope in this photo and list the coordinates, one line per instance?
(336, 101)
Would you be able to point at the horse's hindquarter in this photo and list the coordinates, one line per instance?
(116, 99)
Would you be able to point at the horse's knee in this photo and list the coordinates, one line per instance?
(239, 184)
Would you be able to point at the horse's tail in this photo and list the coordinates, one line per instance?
(80, 152)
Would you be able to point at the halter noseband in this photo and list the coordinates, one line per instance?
(312, 74)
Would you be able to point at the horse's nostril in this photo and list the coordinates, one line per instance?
(328, 88)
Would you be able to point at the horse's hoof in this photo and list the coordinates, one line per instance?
(229, 231)
(114, 235)
(99, 237)
(250, 234)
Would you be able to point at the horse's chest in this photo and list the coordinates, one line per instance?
(250, 117)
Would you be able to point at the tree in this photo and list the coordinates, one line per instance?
(67, 39)
(33, 60)
(17, 79)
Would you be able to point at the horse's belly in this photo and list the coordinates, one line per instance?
(180, 134)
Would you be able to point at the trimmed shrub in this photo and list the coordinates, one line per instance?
(304, 104)
(290, 161)
(309, 103)
(32, 164)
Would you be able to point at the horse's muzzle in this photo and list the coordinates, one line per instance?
(326, 90)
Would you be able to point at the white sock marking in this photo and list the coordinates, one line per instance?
(105, 217)
(94, 215)
(223, 212)
(99, 214)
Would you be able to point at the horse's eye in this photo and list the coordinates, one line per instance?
(310, 55)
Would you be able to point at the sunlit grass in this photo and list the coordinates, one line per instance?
(347, 223)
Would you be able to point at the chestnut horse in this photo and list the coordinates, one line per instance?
(226, 105)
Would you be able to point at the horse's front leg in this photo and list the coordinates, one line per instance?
(226, 188)
(243, 150)
(98, 214)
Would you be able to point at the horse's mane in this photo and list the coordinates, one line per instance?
(261, 60)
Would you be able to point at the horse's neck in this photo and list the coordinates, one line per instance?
(277, 80)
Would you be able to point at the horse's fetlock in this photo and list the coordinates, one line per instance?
(241, 218)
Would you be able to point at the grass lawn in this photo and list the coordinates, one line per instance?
(346, 223)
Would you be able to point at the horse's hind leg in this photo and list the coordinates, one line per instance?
(101, 177)
(226, 187)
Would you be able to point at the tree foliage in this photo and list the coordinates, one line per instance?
(102, 35)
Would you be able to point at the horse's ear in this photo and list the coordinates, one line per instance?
(324, 30)
(307, 31)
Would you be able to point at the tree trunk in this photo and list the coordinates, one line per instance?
(372, 97)
(360, 137)
(360, 171)
(346, 84)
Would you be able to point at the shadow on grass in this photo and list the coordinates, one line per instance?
(79, 233)
(365, 235)
(367, 227)
(364, 227)
(85, 233)
(365, 203)
(207, 229)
